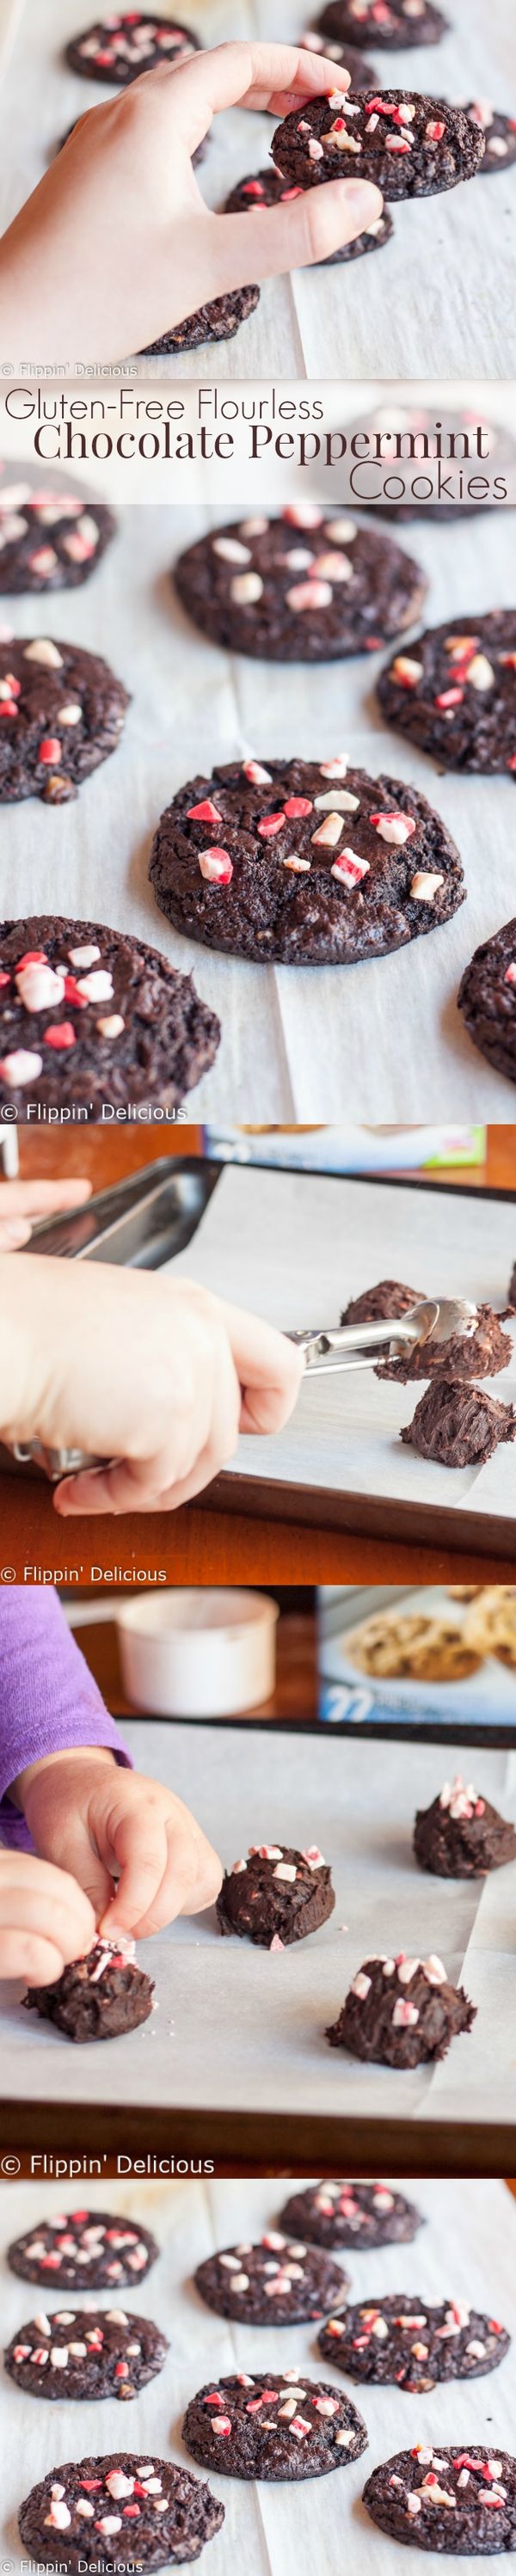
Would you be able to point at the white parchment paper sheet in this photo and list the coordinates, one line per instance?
(467, 2249)
(296, 1043)
(297, 1246)
(237, 2027)
(443, 288)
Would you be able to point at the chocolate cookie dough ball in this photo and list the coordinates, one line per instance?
(405, 2340)
(85, 2353)
(464, 1356)
(461, 1835)
(276, 1896)
(102, 1996)
(361, 2214)
(457, 1425)
(405, 144)
(85, 2249)
(279, 2282)
(107, 2513)
(376, 1305)
(287, 2427)
(401, 2012)
(461, 2501)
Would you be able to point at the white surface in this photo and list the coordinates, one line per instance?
(297, 1247)
(467, 2249)
(445, 283)
(238, 2028)
(198, 1654)
(297, 1043)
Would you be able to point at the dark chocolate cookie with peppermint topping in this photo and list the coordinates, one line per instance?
(118, 2510)
(84, 2249)
(128, 41)
(401, 2012)
(376, 1305)
(267, 188)
(61, 713)
(499, 132)
(458, 1425)
(276, 1896)
(286, 2427)
(404, 2339)
(217, 321)
(88, 1015)
(279, 2282)
(460, 1835)
(361, 2214)
(392, 23)
(49, 540)
(85, 2353)
(461, 2502)
(454, 693)
(102, 1996)
(309, 586)
(479, 1354)
(487, 999)
(315, 40)
(409, 146)
(305, 862)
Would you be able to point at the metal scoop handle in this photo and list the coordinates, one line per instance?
(339, 1346)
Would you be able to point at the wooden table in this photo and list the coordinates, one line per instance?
(295, 1695)
(199, 1545)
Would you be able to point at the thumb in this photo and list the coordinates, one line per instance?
(295, 234)
(88, 1869)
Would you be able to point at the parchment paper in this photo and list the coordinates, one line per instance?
(467, 2249)
(297, 1246)
(235, 2026)
(445, 283)
(296, 1043)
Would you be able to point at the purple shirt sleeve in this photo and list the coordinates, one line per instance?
(49, 1702)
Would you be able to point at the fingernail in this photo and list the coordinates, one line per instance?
(15, 1230)
(367, 200)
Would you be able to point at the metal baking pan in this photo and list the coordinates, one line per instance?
(138, 1223)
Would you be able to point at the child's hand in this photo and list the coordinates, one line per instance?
(154, 1373)
(116, 245)
(45, 1918)
(24, 1204)
(104, 1823)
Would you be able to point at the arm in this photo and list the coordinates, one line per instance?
(49, 1702)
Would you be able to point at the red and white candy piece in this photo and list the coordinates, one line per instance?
(257, 775)
(393, 827)
(348, 869)
(309, 594)
(20, 1068)
(407, 671)
(246, 589)
(425, 885)
(206, 812)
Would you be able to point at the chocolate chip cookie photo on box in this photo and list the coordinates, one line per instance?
(276, 1896)
(88, 1015)
(80, 2249)
(461, 1835)
(102, 1996)
(279, 2282)
(402, 2339)
(110, 2512)
(49, 540)
(458, 2501)
(407, 145)
(278, 2427)
(267, 188)
(360, 2214)
(85, 2354)
(303, 587)
(401, 2012)
(454, 692)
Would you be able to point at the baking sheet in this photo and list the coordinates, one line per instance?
(296, 1043)
(445, 283)
(297, 1246)
(465, 2250)
(237, 2029)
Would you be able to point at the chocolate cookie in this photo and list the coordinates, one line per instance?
(217, 321)
(499, 133)
(257, 860)
(362, 2214)
(62, 713)
(49, 540)
(126, 42)
(88, 2248)
(304, 587)
(267, 188)
(274, 2427)
(278, 2282)
(315, 40)
(101, 1996)
(405, 2340)
(276, 1896)
(401, 2012)
(88, 1016)
(408, 146)
(392, 23)
(461, 1835)
(106, 2513)
(478, 1354)
(85, 2353)
(375, 1305)
(463, 2502)
(458, 1424)
(455, 692)
(487, 998)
